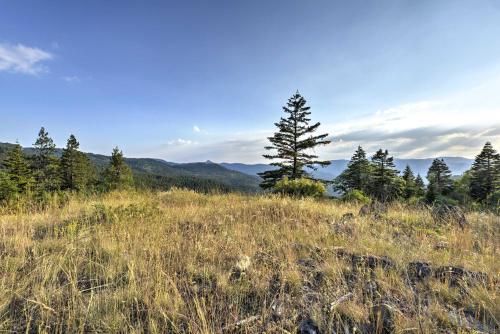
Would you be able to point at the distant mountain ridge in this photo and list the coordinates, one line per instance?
(240, 176)
(189, 172)
(457, 165)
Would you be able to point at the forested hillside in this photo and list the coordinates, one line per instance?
(159, 174)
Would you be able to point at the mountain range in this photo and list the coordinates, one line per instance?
(457, 165)
(233, 176)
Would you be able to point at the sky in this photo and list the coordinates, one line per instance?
(206, 80)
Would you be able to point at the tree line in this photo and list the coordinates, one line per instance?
(43, 172)
(376, 178)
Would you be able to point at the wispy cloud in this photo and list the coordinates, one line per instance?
(196, 128)
(455, 125)
(23, 59)
(71, 79)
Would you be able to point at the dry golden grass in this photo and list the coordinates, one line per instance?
(186, 262)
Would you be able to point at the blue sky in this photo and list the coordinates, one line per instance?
(198, 80)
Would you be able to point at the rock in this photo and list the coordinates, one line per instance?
(445, 213)
(382, 319)
(308, 264)
(457, 275)
(308, 326)
(419, 271)
(368, 261)
(371, 261)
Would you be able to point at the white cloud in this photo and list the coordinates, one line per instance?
(71, 79)
(196, 128)
(23, 59)
(180, 142)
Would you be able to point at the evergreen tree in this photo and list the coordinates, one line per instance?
(385, 184)
(484, 174)
(440, 182)
(45, 164)
(292, 143)
(8, 188)
(357, 174)
(419, 186)
(117, 174)
(18, 169)
(409, 185)
(76, 168)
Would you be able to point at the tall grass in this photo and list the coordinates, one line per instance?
(180, 261)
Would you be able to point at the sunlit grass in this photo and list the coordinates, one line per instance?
(170, 262)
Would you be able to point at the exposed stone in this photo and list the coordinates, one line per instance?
(308, 326)
(382, 319)
(445, 213)
(419, 271)
(457, 275)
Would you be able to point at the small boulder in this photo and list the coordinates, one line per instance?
(308, 326)
(419, 271)
(445, 213)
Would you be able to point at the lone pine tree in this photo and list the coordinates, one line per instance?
(484, 173)
(292, 144)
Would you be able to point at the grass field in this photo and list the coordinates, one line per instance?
(180, 261)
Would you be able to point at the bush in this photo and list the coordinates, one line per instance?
(356, 196)
(300, 187)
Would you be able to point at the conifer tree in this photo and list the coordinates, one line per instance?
(45, 163)
(293, 143)
(419, 186)
(385, 184)
(484, 174)
(18, 170)
(117, 174)
(75, 166)
(440, 182)
(357, 174)
(409, 185)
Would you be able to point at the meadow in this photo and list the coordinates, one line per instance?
(181, 261)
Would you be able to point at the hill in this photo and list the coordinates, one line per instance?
(184, 262)
(159, 173)
(457, 165)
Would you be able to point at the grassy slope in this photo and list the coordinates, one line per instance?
(157, 261)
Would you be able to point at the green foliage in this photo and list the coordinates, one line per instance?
(409, 183)
(292, 144)
(76, 169)
(18, 169)
(385, 184)
(45, 164)
(357, 174)
(117, 174)
(300, 187)
(485, 174)
(356, 196)
(8, 188)
(419, 186)
(440, 182)
(160, 182)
